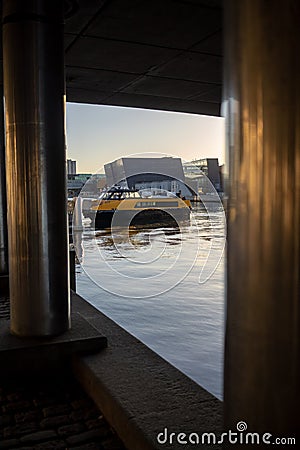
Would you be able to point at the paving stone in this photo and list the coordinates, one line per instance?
(69, 430)
(43, 414)
(81, 404)
(54, 422)
(51, 445)
(39, 436)
(16, 406)
(112, 443)
(28, 416)
(14, 397)
(84, 437)
(6, 420)
(26, 428)
(56, 410)
(90, 446)
(10, 431)
(91, 413)
(98, 424)
(84, 414)
(9, 444)
(77, 415)
(43, 402)
(19, 430)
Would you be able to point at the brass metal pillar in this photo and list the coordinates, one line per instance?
(34, 90)
(262, 109)
(3, 206)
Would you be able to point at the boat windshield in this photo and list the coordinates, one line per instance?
(155, 193)
(117, 193)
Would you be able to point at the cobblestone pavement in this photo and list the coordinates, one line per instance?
(4, 307)
(52, 415)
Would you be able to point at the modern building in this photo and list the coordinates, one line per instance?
(148, 173)
(89, 185)
(203, 174)
(71, 167)
(76, 182)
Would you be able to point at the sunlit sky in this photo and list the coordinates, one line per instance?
(100, 134)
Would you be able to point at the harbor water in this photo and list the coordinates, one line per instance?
(165, 286)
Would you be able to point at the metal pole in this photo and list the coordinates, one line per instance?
(72, 257)
(3, 205)
(34, 90)
(77, 215)
(262, 108)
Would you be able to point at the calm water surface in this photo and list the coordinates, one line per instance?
(148, 282)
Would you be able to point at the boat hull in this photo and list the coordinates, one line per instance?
(149, 217)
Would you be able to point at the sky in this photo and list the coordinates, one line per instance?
(100, 134)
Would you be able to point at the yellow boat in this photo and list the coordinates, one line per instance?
(123, 207)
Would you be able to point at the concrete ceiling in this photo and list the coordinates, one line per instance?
(157, 54)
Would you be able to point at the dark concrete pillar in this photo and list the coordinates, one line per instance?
(3, 206)
(34, 90)
(262, 108)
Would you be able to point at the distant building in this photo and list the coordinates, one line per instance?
(76, 182)
(203, 174)
(143, 170)
(71, 167)
(148, 173)
(92, 184)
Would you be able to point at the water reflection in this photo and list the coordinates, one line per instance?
(147, 280)
(78, 244)
(137, 237)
